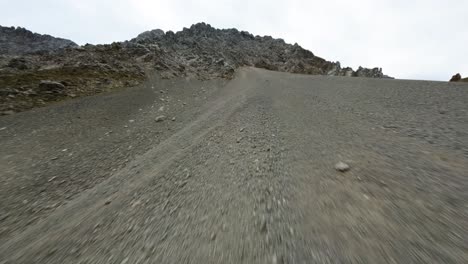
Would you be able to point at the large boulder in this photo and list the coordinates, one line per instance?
(51, 87)
(456, 78)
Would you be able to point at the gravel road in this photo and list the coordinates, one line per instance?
(240, 171)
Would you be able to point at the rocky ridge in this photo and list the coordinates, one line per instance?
(208, 49)
(18, 41)
(201, 52)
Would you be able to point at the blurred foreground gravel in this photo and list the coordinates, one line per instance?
(243, 171)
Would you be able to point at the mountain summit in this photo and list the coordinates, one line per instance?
(209, 47)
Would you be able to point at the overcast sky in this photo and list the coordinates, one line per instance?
(411, 39)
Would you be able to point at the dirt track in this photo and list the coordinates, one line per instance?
(244, 174)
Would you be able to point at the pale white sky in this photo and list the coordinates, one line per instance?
(417, 39)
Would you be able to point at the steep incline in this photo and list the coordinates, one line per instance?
(240, 172)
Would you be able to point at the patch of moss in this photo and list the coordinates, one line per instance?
(23, 93)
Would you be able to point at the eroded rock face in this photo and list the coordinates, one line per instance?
(17, 41)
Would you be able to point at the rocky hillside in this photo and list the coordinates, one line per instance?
(17, 41)
(204, 47)
(29, 78)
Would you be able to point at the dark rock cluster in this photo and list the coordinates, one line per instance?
(458, 78)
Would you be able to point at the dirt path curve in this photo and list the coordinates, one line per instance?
(240, 172)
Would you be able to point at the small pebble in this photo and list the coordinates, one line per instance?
(274, 259)
(342, 167)
(263, 224)
(160, 118)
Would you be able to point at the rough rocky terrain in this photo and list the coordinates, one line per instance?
(200, 51)
(268, 167)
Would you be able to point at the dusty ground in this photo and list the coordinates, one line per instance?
(244, 174)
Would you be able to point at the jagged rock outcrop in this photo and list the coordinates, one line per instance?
(201, 51)
(370, 73)
(208, 50)
(17, 41)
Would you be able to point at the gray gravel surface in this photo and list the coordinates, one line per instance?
(240, 172)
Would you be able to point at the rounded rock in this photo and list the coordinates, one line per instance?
(342, 167)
